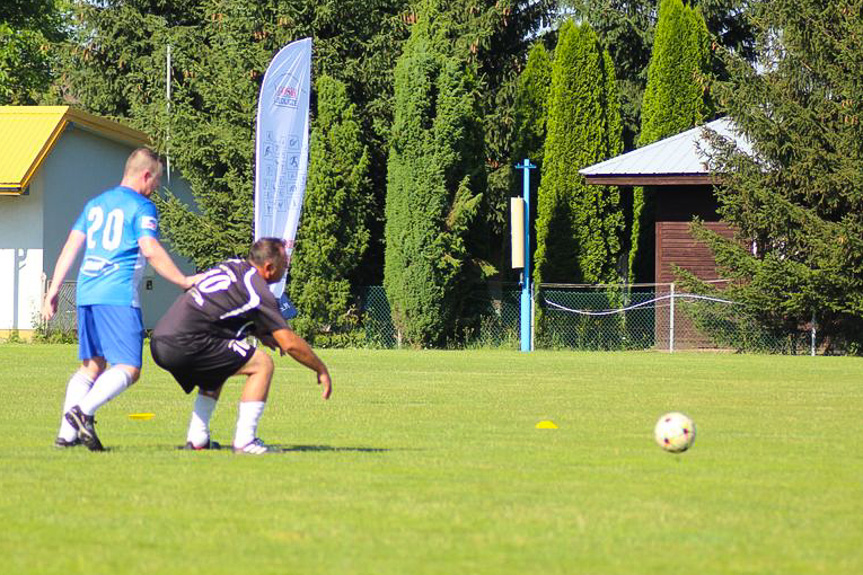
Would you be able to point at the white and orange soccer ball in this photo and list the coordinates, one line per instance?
(674, 432)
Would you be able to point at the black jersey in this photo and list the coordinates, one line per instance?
(231, 301)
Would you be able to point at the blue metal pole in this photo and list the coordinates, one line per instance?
(526, 299)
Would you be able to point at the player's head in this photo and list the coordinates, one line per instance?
(143, 172)
(269, 257)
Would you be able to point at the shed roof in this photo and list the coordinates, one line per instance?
(676, 160)
(28, 133)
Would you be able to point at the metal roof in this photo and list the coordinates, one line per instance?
(28, 133)
(679, 159)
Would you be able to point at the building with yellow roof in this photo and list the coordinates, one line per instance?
(53, 159)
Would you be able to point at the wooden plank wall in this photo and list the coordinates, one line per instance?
(675, 245)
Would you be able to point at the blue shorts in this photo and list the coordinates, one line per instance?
(115, 332)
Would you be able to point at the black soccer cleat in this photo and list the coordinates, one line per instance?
(61, 443)
(86, 426)
(209, 445)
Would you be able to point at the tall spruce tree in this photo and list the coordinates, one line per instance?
(529, 129)
(578, 226)
(531, 107)
(334, 232)
(676, 98)
(494, 36)
(627, 28)
(115, 66)
(434, 174)
(797, 200)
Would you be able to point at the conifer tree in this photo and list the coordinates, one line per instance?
(115, 66)
(676, 99)
(531, 108)
(434, 181)
(578, 226)
(797, 198)
(333, 233)
(627, 27)
(494, 37)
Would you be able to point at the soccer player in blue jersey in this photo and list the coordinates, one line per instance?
(119, 230)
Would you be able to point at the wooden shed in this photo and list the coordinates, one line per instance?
(678, 169)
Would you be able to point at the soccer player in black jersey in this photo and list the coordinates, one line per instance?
(201, 340)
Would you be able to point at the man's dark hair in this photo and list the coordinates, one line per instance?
(267, 250)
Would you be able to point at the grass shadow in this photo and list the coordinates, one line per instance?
(283, 448)
(289, 448)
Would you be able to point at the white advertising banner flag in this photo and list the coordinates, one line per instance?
(282, 145)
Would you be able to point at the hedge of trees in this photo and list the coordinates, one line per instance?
(337, 211)
(435, 179)
(579, 227)
(677, 97)
(422, 107)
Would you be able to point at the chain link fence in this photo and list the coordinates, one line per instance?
(65, 321)
(608, 318)
(377, 321)
(585, 318)
(498, 325)
(573, 317)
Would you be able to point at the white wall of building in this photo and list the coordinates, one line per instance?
(21, 257)
(34, 227)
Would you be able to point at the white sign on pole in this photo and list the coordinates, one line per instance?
(282, 145)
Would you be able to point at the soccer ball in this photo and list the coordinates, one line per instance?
(674, 432)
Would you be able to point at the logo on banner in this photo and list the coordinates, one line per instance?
(287, 91)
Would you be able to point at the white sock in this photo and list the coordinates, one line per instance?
(108, 386)
(78, 386)
(247, 422)
(199, 426)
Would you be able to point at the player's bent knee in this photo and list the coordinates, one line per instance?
(93, 367)
(260, 363)
(134, 372)
(267, 364)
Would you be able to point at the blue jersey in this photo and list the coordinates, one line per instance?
(113, 264)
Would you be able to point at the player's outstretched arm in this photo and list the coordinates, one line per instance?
(163, 264)
(295, 346)
(64, 262)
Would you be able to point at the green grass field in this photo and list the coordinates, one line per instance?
(429, 462)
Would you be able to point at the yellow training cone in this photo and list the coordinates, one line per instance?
(546, 425)
(142, 416)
